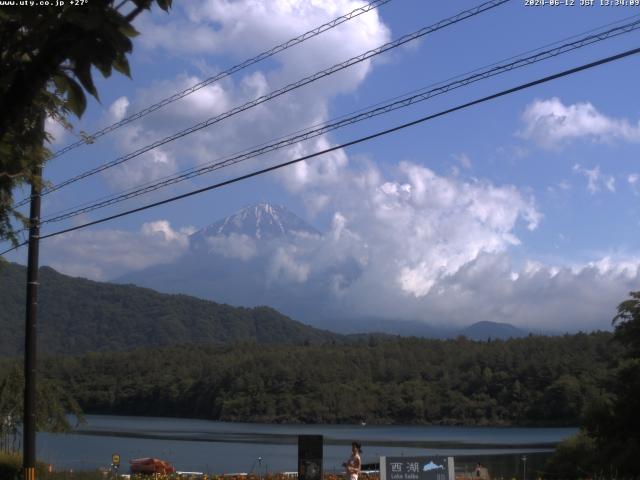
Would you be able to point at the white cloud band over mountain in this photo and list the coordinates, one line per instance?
(414, 246)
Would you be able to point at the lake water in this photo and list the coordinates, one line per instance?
(220, 447)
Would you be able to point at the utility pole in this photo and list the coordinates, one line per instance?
(29, 414)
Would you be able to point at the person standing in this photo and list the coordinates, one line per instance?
(354, 463)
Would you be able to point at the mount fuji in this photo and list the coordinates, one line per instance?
(266, 255)
(243, 260)
(262, 221)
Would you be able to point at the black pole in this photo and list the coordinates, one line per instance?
(29, 420)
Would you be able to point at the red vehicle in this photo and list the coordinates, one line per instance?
(150, 466)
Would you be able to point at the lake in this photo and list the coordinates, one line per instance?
(221, 447)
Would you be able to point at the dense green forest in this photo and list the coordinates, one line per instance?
(608, 444)
(530, 381)
(78, 315)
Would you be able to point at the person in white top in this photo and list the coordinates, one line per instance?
(354, 463)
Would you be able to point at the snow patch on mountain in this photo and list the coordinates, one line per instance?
(250, 227)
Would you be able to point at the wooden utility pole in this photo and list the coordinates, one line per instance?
(30, 342)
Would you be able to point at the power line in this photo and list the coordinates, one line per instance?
(236, 68)
(401, 102)
(494, 96)
(281, 91)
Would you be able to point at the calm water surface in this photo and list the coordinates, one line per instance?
(201, 445)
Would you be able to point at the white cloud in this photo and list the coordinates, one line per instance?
(56, 130)
(411, 232)
(538, 296)
(234, 245)
(109, 253)
(148, 167)
(421, 246)
(285, 267)
(550, 123)
(325, 169)
(118, 109)
(162, 230)
(246, 27)
(205, 30)
(596, 179)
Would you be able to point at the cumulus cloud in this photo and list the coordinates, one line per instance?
(208, 29)
(550, 123)
(537, 296)
(246, 27)
(285, 267)
(162, 230)
(108, 253)
(408, 233)
(422, 246)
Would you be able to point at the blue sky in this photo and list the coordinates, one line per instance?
(525, 208)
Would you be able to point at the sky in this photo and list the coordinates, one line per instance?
(523, 209)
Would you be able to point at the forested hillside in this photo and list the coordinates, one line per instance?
(78, 315)
(527, 381)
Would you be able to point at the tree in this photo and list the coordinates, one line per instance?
(627, 323)
(609, 441)
(617, 426)
(46, 57)
(53, 405)
(575, 457)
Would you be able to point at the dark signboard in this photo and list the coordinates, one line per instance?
(310, 457)
(416, 468)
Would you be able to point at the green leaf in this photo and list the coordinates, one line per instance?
(83, 73)
(164, 4)
(103, 66)
(76, 100)
(128, 30)
(121, 64)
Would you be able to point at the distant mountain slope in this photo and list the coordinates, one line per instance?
(232, 261)
(495, 330)
(78, 315)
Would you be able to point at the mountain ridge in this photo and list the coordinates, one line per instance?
(77, 315)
